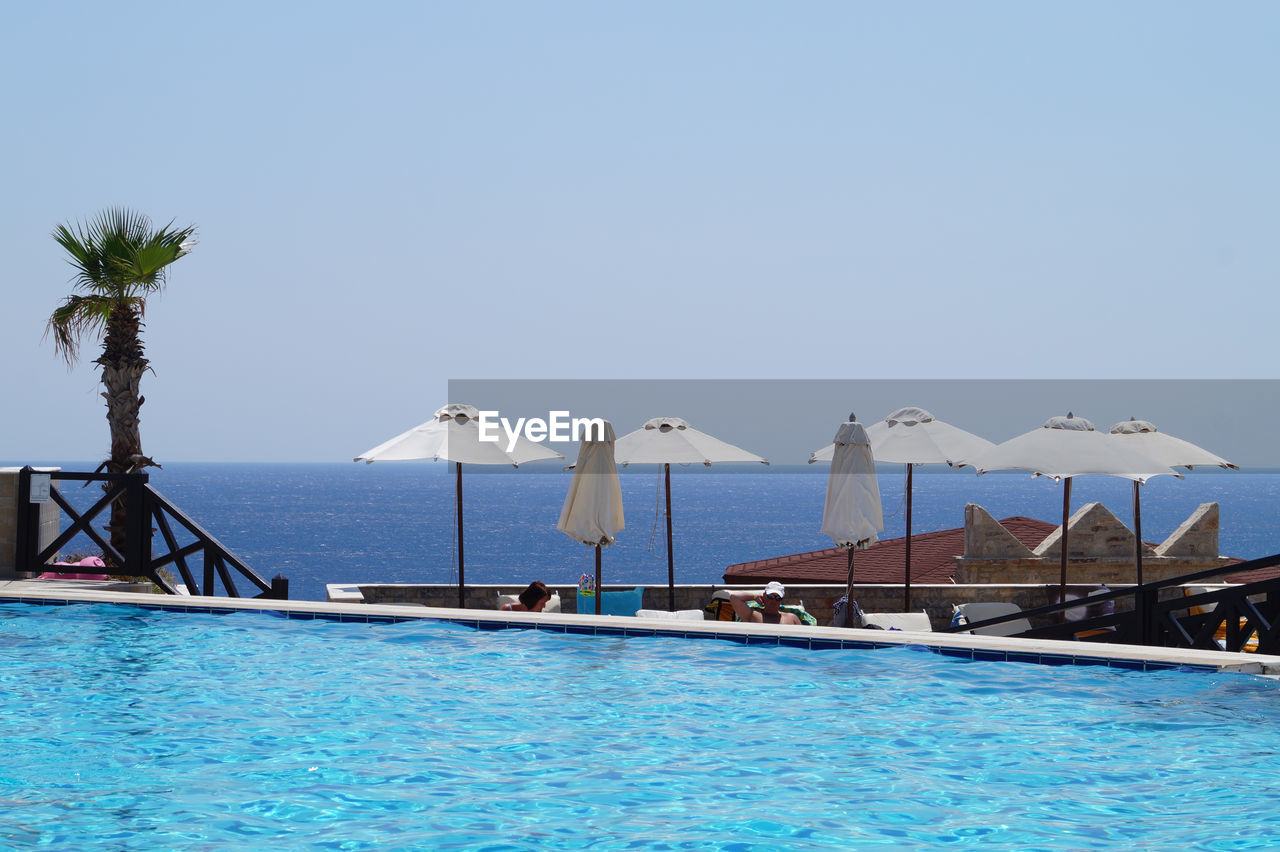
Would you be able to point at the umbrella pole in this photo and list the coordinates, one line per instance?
(599, 588)
(1066, 512)
(462, 598)
(848, 592)
(1137, 530)
(906, 585)
(671, 560)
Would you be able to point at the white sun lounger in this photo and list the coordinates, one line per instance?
(971, 612)
(916, 622)
(680, 614)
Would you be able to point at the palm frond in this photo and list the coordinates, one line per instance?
(74, 319)
(119, 259)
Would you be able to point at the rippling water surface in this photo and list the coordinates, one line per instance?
(130, 729)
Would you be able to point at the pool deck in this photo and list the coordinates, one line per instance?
(992, 648)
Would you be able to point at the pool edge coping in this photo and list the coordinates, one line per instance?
(963, 646)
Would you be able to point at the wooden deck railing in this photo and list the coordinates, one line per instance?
(1238, 617)
(182, 540)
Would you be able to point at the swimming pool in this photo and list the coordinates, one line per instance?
(141, 729)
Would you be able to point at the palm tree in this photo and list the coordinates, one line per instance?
(119, 259)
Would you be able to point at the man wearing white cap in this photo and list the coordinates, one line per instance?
(770, 602)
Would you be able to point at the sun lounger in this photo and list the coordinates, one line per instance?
(1220, 636)
(972, 612)
(679, 615)
(89, 562)
(917, 622)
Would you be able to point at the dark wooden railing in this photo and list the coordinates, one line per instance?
(143, 506)
(1238, 617)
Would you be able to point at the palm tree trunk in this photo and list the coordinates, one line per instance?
(123, 362)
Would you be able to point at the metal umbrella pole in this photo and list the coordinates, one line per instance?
(462, 583)
(599, 580)
(671, 561)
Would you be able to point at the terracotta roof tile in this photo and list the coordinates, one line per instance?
(1252, 576)
(932, 558)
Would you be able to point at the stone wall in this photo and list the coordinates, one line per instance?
(1100, 550)
(50, 520)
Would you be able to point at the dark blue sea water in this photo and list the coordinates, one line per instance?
(394, 522)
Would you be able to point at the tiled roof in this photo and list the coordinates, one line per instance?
(932, 558)
(1251, 576)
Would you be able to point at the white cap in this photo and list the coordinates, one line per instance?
(775, 588)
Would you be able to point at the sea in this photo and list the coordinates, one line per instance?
(395, 522)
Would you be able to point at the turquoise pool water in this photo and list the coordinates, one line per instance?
(135, 729)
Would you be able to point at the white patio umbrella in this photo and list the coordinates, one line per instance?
(592, 512)
(852, 514)
(453, 434)
(1167, 450)
(1063, 448)
(667, 441)
(911, 436)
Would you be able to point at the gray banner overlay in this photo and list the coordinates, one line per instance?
(785, 420)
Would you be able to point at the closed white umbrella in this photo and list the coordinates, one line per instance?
(670, 440)
(592, 512)
(852, 514)
(1167, 450)
(453, 434)
(1063, 448)
(911, 436)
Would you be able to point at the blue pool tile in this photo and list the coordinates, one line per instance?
(1160, 667)
(753, 639)
(1056, 660)
(622, 630)
(1131, 665)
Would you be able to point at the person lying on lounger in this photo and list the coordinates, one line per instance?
(532, 599)
(770, 602)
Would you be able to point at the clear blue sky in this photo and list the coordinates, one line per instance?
(393, 195)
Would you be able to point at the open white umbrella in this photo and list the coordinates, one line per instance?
(667, 441)
(1167, 450)
(852, 514)
(453, 434)
(1063, 448)
(911, 436)
(592, 512)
